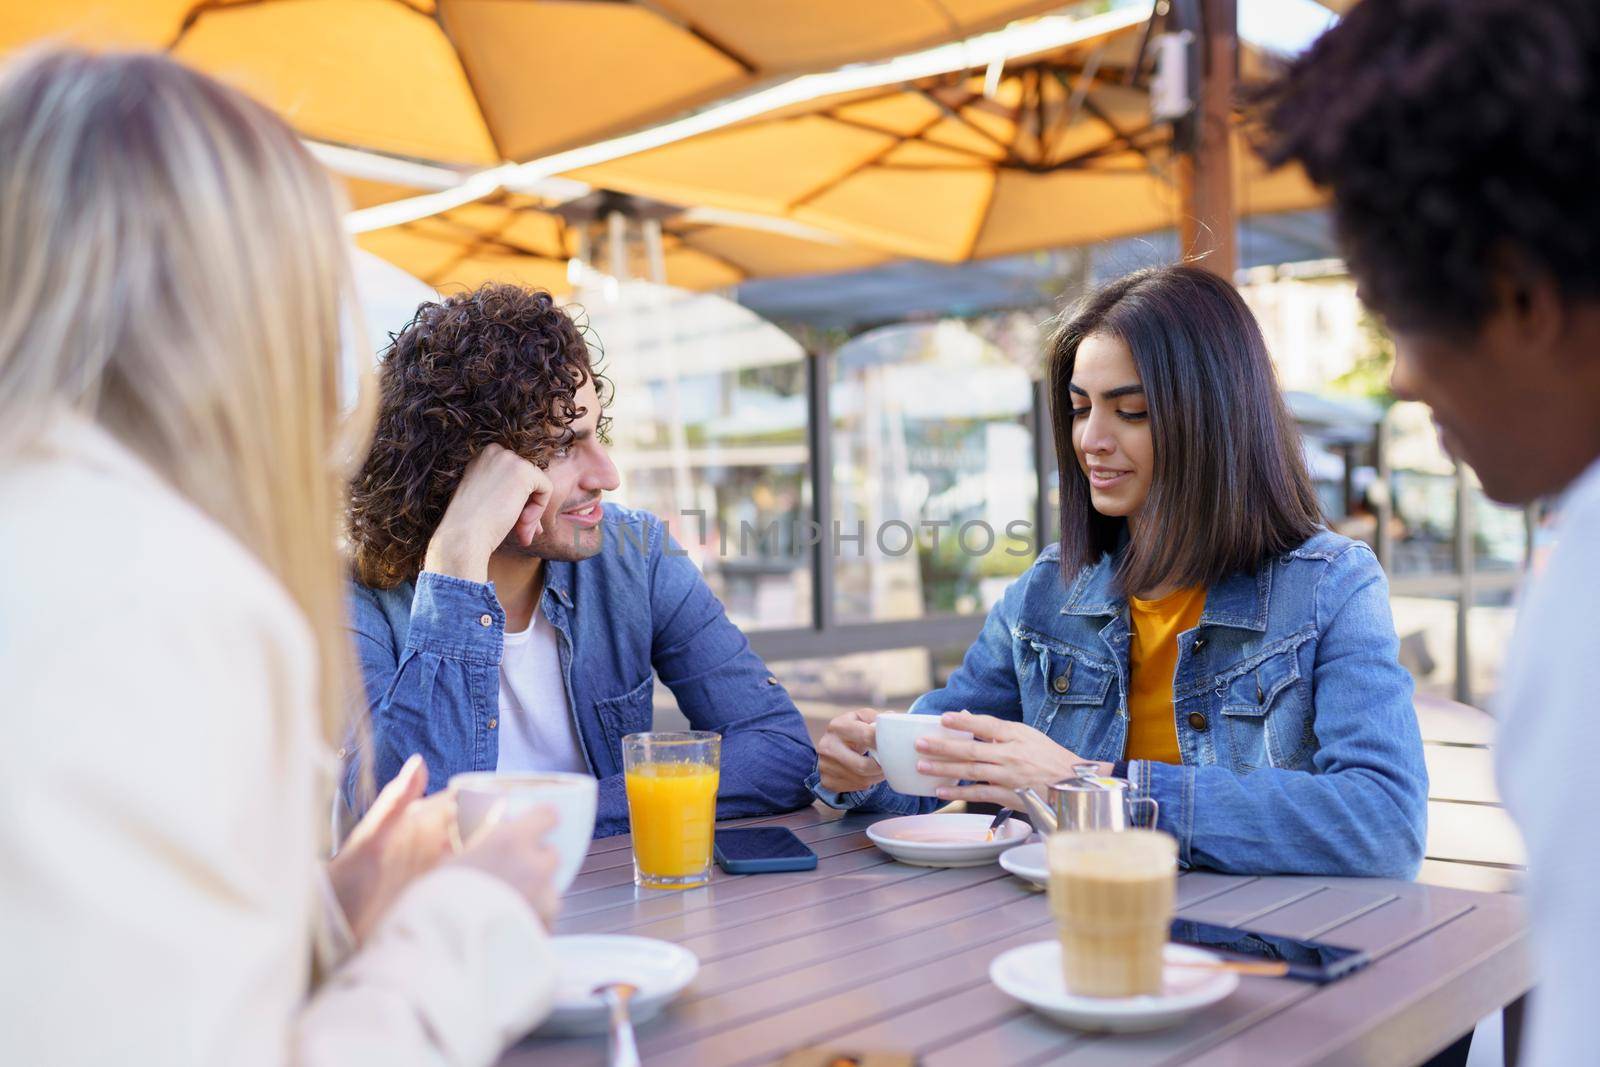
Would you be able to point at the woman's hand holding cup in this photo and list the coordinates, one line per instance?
(402, 837)
(515, 850)
(998, 758)
(842, 758)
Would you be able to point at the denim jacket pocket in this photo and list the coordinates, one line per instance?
(631, 713)
(1268, 714)
(1070, 682)
(1073, 680)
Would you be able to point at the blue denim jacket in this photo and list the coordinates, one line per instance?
(1301, 752)
(432, 669)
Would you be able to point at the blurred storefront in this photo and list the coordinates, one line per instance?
(860, 498)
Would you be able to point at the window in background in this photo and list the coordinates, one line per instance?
(1423, 490)
(933, 494)
(1490, 623)
(1453, 626)
(709, 432)
(1499, 533)
(888, 681)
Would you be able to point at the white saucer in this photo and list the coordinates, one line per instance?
(1028, 862)
(946, 840)
(659, 968)
(1032, 974)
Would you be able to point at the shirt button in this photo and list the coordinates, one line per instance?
(1060, 683)
(1199, 643)
(342, 753)
(486, 619)
(1197, 720)
(493, 723)
(772, 679)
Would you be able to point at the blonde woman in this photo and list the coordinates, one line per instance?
(172, 665)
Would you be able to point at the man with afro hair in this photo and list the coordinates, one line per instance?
(1461, 142)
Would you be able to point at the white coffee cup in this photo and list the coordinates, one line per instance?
(573, 796)
(896, 750)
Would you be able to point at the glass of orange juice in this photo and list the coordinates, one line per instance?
(672, 804)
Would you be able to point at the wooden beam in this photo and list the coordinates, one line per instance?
(1208, 225)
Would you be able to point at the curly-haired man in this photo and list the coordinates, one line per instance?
(507, 619)
(1461, 142)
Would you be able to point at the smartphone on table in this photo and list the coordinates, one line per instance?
(1309, 961)
(761, 850)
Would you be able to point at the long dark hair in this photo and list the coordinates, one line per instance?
(1230, 488)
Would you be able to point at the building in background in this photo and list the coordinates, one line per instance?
(859, 494)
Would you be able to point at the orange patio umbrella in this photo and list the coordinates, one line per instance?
(512, 237)
(477, 82)
(1052, 150)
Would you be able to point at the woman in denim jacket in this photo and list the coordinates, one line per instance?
(1249, 683)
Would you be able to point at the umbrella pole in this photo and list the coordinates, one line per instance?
(1208, 226)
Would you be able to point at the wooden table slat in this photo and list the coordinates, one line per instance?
(1261, 896)
(1314, 915)
(1408, 1007)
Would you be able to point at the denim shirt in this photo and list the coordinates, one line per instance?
(430, 659)
(1301, 751)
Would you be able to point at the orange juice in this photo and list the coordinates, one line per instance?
(672, 807)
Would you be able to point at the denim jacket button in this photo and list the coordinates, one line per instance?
(1199, 643)
(1197, 720)
(1060, 683)
(772, 679)
(493, 723)
(486, 619)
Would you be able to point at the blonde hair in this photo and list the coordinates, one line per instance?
(173, 267)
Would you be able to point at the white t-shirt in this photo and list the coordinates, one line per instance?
(536, 728)
(1546, 761)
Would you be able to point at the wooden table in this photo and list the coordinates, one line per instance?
(864, 953)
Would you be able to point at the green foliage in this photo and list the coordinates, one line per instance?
(1370, 375)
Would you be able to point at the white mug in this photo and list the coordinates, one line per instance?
(896, 750)
(573, 796)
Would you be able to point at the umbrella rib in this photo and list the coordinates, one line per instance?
(953, 113)
(466, 72)
(1098, 112)
(871, 160)
(479, 240)
(1035, 106)
(904, 139)
(1124, 143)
(195, 12)
(1075, 96)
(748, 66)
(949, 18)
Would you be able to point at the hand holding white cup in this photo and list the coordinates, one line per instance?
(895, 750)
(484, 798)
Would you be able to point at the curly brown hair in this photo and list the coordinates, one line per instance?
(500, 365)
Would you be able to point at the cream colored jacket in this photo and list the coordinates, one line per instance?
(162, 786)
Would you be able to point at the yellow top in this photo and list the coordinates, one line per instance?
(1152, 661)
